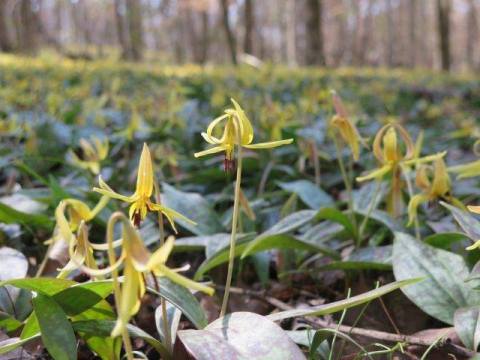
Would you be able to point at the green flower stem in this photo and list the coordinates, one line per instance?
(371, 206)
(236, 203)
(116, 284)
(406, 175)
(348, 186)
(163, 303)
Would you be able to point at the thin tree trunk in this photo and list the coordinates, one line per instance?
(472, 34)
(390, 34)
(231, 41)
(443, 14)
(5, 42)
(205, 38)
(314, 54)
(121, 31)
(412, 36)
(27, 26)
(135, 29)
(291, 33)
(249, 27)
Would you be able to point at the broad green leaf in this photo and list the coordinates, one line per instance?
(443, 240)
(283, 242)
(8, 323)
(80, 297)
(173, 320)
(13, 343)
(183, 299)
(444, 289)
(194, 207)
(342, 304)
(105, 327)
(290, 223)
(221, 257)
(383, 218)
(241, 335)
(312, 195)
(336, 216)
(46, 286)
(13, 265)
(466, 220)
(305, 338)
(9, 215)
(57, 333)
(467, 326)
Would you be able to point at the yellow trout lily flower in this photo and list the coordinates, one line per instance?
(93, 152)
(346, 128)
(140, 199)
(438, 188)
(80, 251)
(138, 262)
(388, 153)
(237, 131)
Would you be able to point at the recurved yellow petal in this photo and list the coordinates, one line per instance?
(376, 174)
(106, 190)
(269, 145)
(184, 281)
(468, 170)
(161, 255)
(474, 209)
(213, 150)
(413, 205)
(131, 293)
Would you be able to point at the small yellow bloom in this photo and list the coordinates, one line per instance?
(475, 210)
(237, 131)
(140, 199)
(347, 129)
(138, 262)
(93, 153)
(438, 188)
(388, 153)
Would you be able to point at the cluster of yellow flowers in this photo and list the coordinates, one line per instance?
(393, 149)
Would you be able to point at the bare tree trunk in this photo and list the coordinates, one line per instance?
(27, 27)
(205, 39)
(5, 42)
(412, 36)
(121, 31)
(314, 54)
(390, 34)
(363, 32)
(443, 14)
(249, 27)
(472, 34)
(135, 29)
(291, 33)
(232, 44)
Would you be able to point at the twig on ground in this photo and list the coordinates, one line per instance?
(368, 333)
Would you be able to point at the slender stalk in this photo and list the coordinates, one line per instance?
(43, 264)
(410, 194)
(348, 186)
(236, 203)
(371, 207)
(116, 284)
(316, 162)
(163, 303)
(344, 312)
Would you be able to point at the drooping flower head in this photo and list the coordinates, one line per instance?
(140, 199)
(434, 186)
(237, 131)
(93, 152)
(345, 127)
(137, 262)
(389, 153)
